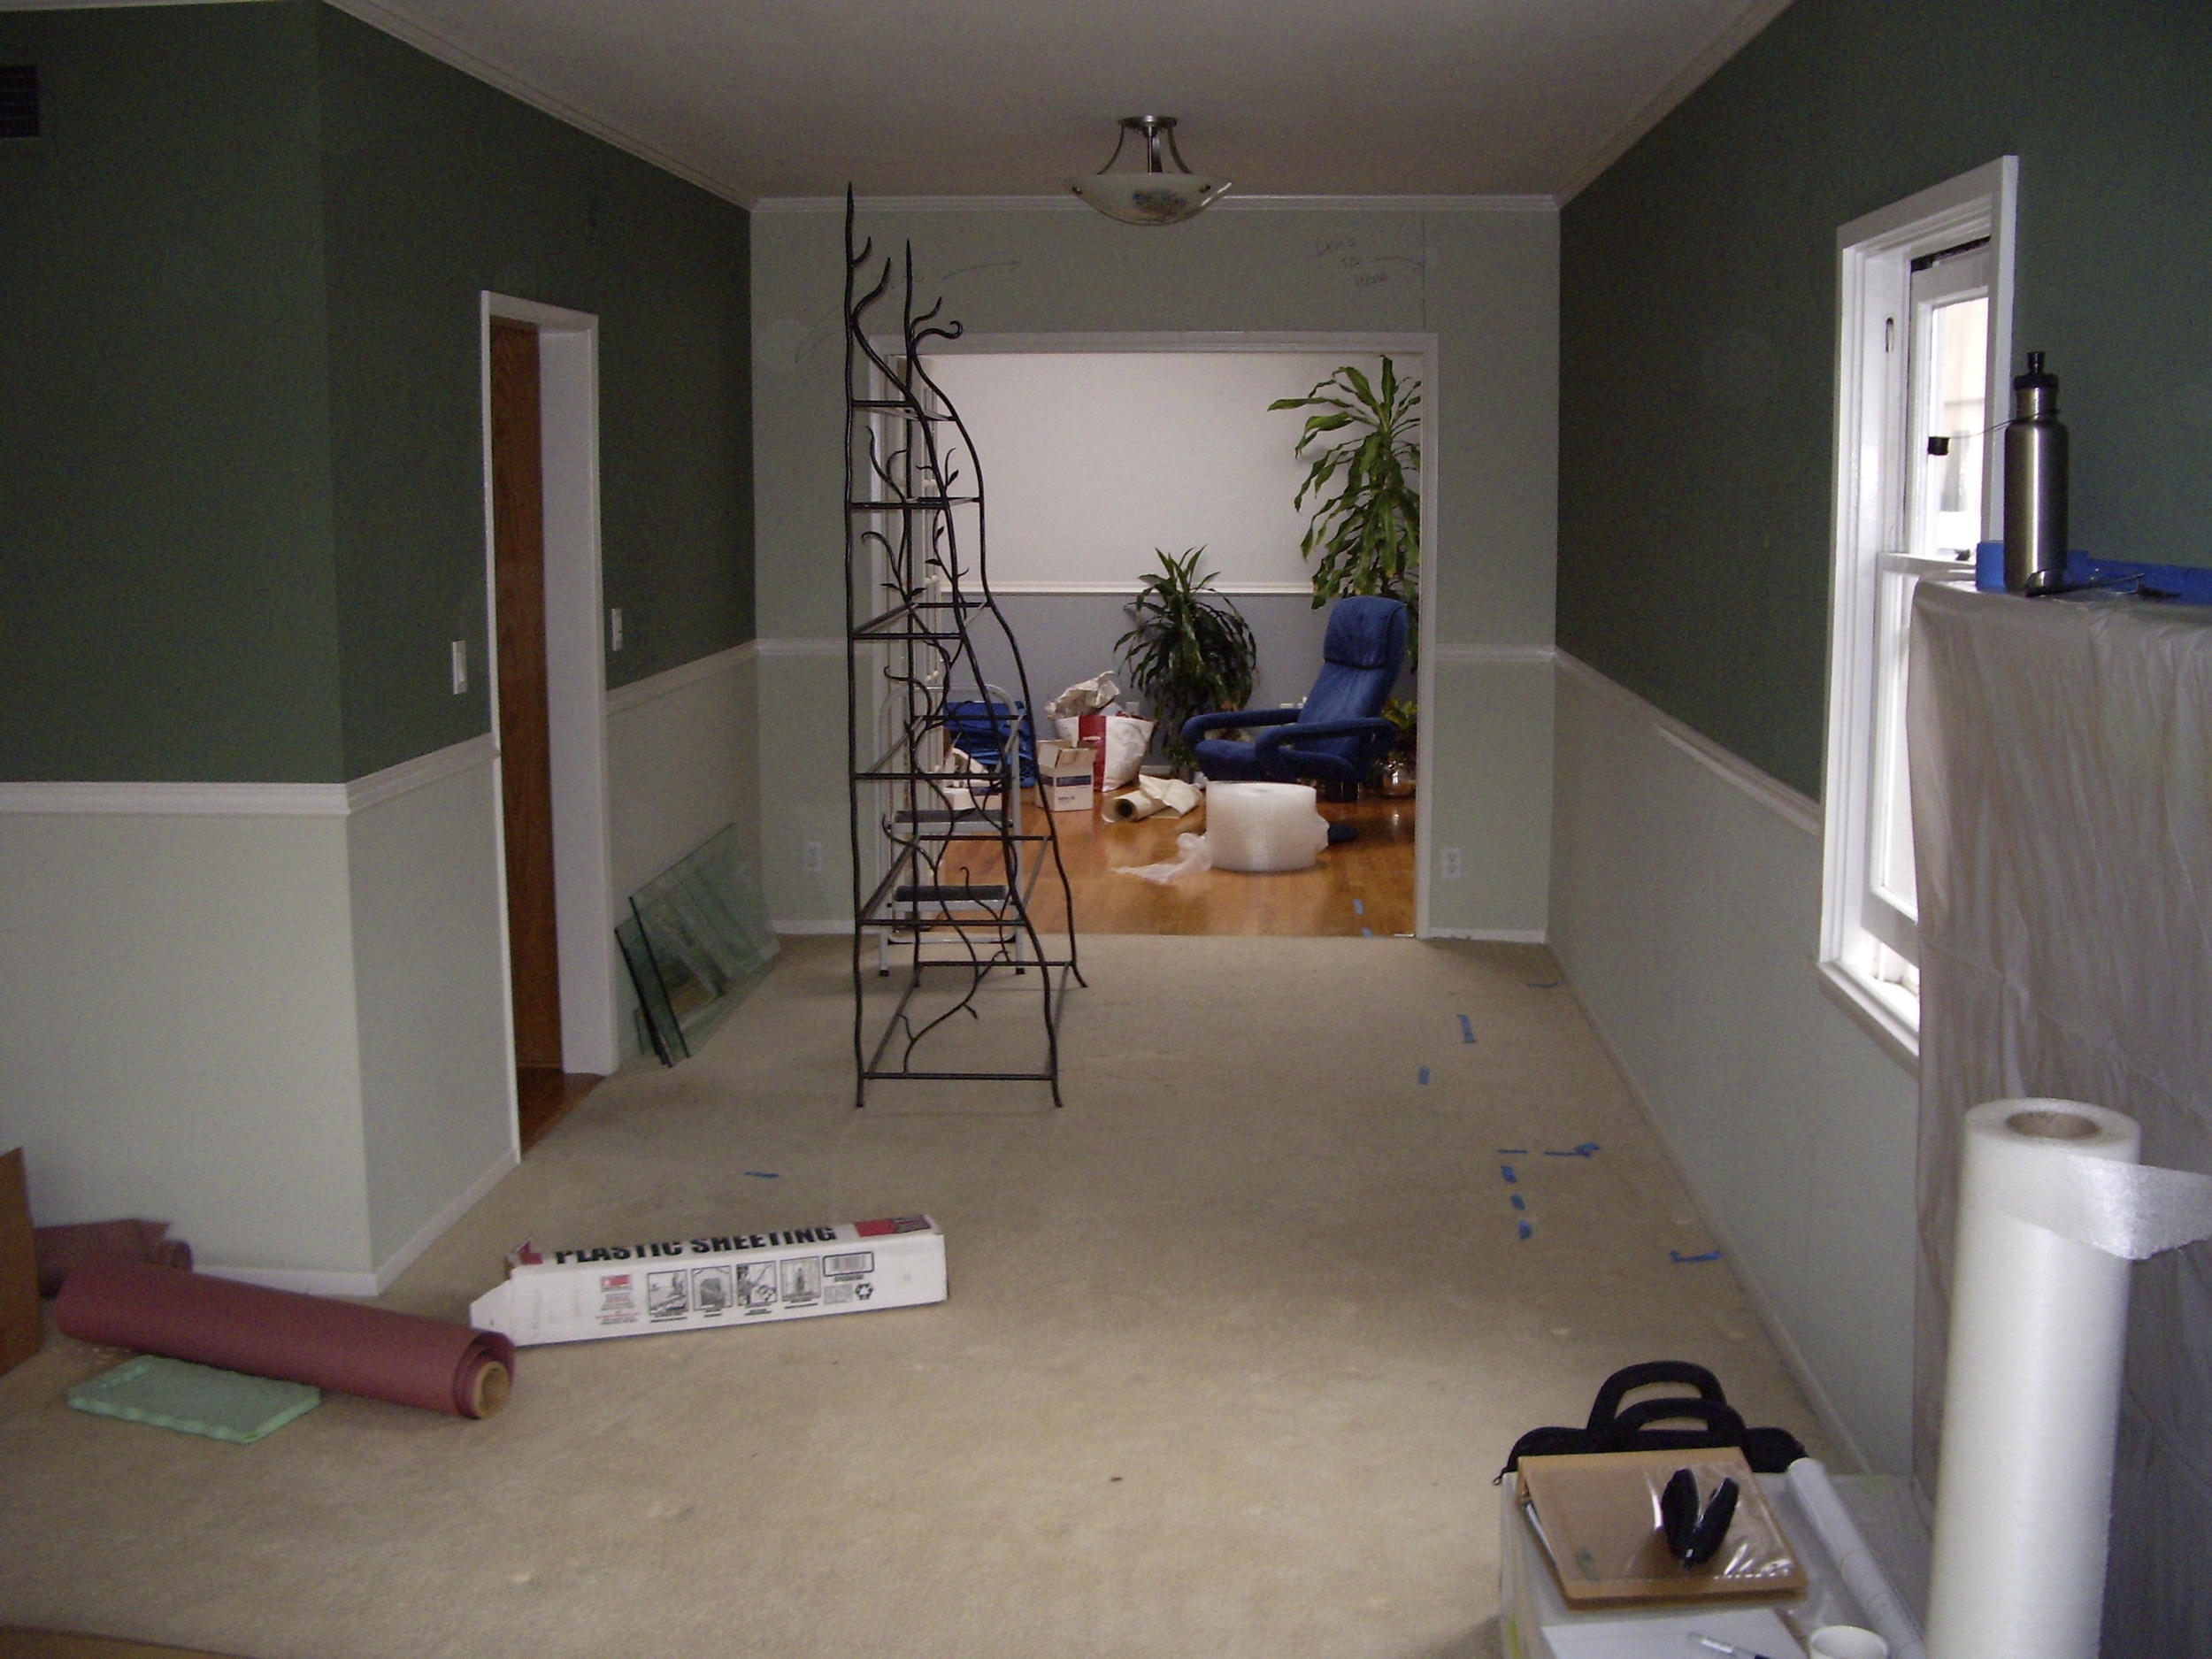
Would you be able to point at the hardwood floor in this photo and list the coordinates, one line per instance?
(544, 1096)
(1358, 887)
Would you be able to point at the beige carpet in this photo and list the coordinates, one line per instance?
(1235, 1343)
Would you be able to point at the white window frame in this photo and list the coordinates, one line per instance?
(1874, 325)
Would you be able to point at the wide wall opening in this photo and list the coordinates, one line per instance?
(1105, 463)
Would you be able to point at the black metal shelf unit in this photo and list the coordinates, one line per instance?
(946, 859)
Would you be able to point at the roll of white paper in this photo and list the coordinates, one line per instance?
(1863, 1575)
(1128, 809)
(2051, 1207)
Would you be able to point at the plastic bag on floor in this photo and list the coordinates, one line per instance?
(1086, 696)
(1192, 856)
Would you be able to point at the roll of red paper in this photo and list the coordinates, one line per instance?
(335, 1345)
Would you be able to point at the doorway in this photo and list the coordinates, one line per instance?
(1103, 451)
(548, 677)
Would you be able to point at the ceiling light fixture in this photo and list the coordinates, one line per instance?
(1155, 196)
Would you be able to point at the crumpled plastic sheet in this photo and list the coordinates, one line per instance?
(2061, 783)
(1192, 855)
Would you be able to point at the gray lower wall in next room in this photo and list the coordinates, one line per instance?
(1067, 637)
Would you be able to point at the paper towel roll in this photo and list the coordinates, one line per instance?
(1128, 809)
(2051, 1207)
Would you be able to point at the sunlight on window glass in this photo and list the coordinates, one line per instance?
(1960, 349)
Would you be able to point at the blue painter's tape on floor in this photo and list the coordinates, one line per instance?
(1366, 933)
(1512, 1152)
(1519, 1203)
(1359, 907)
(1425, 1074)
(1543, 985)
(764, 1175)
(1587, 1149)
(1680, 1260)
(1507, 1171)
(1466, 1029)
(1527, 1228)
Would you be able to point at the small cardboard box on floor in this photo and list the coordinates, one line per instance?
(1065, 771)
(656, 1285)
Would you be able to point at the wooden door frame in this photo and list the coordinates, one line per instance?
(576, 673)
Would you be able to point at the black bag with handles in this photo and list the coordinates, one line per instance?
(1705, 1418)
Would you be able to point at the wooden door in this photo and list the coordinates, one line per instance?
(525, 744)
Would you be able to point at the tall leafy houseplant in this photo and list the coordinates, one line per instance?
(1366, 523)
(1191, 651)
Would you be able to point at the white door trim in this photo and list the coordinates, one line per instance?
(576, 674)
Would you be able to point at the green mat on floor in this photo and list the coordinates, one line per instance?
(224, 1405)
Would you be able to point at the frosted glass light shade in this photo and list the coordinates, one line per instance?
(1149, 199)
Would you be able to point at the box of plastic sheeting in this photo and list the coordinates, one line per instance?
(696, 1283)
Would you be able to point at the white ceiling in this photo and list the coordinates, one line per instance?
(758, 98)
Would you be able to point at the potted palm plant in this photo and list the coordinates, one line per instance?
(1366, 523)
(1190, 652)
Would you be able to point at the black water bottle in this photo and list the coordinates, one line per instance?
(2035, 484)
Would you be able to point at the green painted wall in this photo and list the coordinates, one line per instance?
(1698, 315)
(437, 186)
(241, 474)
(166, 582)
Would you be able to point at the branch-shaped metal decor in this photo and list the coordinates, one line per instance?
(944, 869)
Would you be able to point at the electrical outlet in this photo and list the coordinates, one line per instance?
(460, 667)
(1451, 863)
(614, 628)
(810, 857)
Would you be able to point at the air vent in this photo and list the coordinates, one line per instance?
(18, 100)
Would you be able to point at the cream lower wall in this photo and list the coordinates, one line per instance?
(1685, 914)
(803, 783)
(276, 1015)
(683, 759)
(437, 1082)
(1490, 759)
(177, 1032)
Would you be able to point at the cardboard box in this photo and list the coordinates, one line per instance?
(641, 1288)
(1065, 774)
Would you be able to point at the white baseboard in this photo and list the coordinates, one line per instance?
(811, 926)
(1492, 935)
(310, 1282)
(319, 1282)
(1770, 1318)
(400, 1260)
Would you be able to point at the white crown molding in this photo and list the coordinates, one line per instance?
(1731, 38)
(456, 56)
(175, 800)
(1534, 654)
(654, 686)
(1799, 811)
(1064, 203)
(423, 771)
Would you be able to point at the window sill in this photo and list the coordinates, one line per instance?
(1888, 1013)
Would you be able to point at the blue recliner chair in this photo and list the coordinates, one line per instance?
(1340, 728)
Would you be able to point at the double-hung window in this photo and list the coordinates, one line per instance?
(1923, 348)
